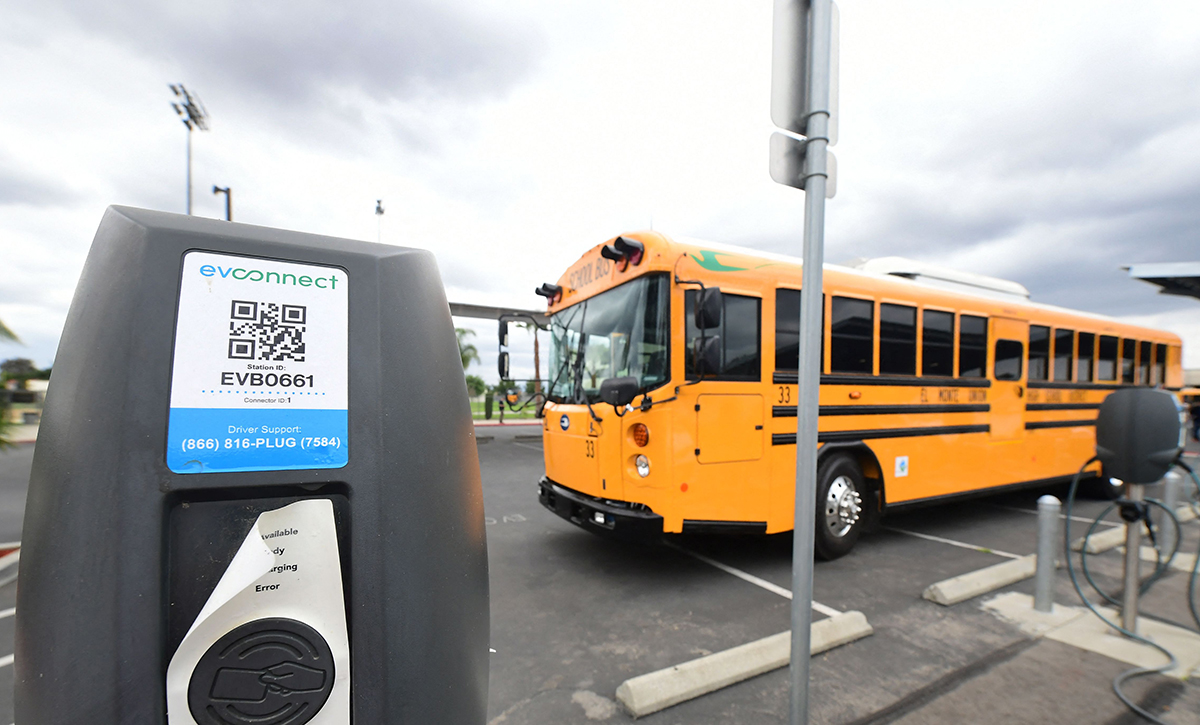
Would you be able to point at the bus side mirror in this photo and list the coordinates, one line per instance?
(709, 303)
(503, 333)
(619, 392)
(502, 365)
(710, 356)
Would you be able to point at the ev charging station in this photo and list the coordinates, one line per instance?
(255, 498)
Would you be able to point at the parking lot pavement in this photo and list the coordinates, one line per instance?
(15, 463)
(573, 615)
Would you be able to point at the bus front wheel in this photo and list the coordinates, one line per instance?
(840, 490)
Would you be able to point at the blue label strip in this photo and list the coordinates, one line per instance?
(216, 440)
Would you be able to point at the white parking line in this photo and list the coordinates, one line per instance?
(952, 542)
(1080, 519)
(531, 447)
(8, 613)
(745, 576)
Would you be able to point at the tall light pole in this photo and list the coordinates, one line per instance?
(193, 114)
(228, 192)
(379, 216)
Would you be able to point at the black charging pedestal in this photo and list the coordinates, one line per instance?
(255, 496)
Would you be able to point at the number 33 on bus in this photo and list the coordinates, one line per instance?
(671, 404)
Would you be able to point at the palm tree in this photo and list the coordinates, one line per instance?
(537, 362)
(468, 352)
(7, 334)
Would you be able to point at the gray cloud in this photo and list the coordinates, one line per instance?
(390, 49)
(19, 186)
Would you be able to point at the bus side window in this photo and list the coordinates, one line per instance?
(972, 346)
(1128, 352)
(1009, 354)
(897, 340)
(1064, 354)
(739, 331)
(1107, 367)
(852, 338)
(1160, 365)
(1087, 348)
(1039, 352)
(1143, 363)
(937, 343)
(787, 329)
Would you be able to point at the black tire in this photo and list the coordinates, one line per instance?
(841, 494)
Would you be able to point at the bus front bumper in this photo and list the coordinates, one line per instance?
(600, 516)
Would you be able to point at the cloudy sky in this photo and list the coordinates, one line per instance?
(1049, 143)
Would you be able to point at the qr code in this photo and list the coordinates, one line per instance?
(267, 331)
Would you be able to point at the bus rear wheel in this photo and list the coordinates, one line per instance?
(840, 489)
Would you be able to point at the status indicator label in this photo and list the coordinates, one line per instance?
(259, 380)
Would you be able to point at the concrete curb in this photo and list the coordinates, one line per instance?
(655, 691)
(981, 581)
(1101, 542)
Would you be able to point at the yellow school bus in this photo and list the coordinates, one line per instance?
(934, 385)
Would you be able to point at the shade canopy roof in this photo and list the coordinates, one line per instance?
(1175, 278)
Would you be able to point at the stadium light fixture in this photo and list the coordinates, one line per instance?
(191, 111)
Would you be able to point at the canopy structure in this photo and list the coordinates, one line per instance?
(490, 312)
(1175, 278)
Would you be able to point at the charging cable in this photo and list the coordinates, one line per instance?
(1134, 514)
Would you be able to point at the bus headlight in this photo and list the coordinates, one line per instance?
(643, 466)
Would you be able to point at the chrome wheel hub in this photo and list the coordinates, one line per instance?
(843, 506)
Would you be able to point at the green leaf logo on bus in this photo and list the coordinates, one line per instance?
(708, 260)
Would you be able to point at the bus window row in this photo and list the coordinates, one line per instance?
(1064, 355)
(951, 344)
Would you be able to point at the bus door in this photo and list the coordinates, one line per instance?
(1007, 397)
(731, 480)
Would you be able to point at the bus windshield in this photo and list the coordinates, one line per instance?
(622, 332)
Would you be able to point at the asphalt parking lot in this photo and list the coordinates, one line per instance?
(574, 615)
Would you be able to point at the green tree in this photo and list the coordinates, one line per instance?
(468, 352)
(476, 386)
(5, 335)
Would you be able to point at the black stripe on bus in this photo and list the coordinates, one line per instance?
(789, 411)
(785, 377)
(1062, 406)
(829, 436)
(1076, 386)
(1037, 424)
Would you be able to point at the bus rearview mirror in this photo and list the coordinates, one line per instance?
(502, 365)
(709, 303)
(619, 392)
(503, 333)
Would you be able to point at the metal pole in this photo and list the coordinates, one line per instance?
(189, 171)
(809, 369)
(228, 203)
(1133, 561)
(1049, 514)
(1172, 484)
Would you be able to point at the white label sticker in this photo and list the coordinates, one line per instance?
(901, 466)
(259, 381)
(286, 572)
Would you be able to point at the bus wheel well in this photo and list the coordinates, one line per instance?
(872, 472)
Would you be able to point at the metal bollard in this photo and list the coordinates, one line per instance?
(1133, 561)
(1049, 515)
(1172, 485)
